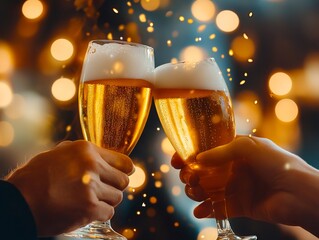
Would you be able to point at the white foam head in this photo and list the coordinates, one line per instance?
(204, 74)
(115, 60)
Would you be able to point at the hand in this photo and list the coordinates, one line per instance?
(266, 182)
(72, 185)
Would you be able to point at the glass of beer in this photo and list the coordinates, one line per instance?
(194, 107)
(115, 96)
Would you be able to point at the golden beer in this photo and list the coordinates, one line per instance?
(113, 112)
(195, 121)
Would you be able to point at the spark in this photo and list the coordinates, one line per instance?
(231, 52)
(250, 60)
(250, 14)
(181, 18)
(190, 21)
(115, 10)
(254, 130)
(214, 49)
(158, 129)
(212, 36)
(169, 43)
(143, 204)
(242, 82)
(142, 17)
(256, 102)
(245, 36)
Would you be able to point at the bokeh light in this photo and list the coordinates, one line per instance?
(62, 49)
(138, 178)
(286, 110)
(63, 89)
(208, 233)
(227, 21)
(16, 108)
(150, 5)
(167, 147)
(7, 134)
(242, 48)
(280, 83)
(6, 58)
(203, 10)
(193, 53)
(6, 94)
(32, 9)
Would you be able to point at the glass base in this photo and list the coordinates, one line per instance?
(234, 237)
(96, 230)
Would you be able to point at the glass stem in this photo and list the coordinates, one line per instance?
(222, 223)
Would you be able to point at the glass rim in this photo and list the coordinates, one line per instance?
(208, 59)
(122, 42)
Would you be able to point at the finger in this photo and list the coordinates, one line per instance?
(195, 193)
(108, 194)
(189, 176)
(102, 212)
(204, 210)
(117, 160)
(177, 162)
(241, 147)
(112, 176)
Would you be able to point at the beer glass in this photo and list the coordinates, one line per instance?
(194, 108)
(115, 96)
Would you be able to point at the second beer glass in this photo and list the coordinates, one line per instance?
(194, 107)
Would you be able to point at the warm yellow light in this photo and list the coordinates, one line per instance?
(63, 89)
(242, 48)
(167, 147)
(209, 233)
(164, 168)
(227, 21)
(280, 83)
(128, 233)
(62, 49)
(7, 134)
(286, 110)
(5, 94)
(137, 179)
(142, 17)
(203, 10)
(6, 59)
(193, 53)
(16, 108)
(32, 9)
(176, 190)
(150, 5)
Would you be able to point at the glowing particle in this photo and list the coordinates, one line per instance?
(68, 128)
(153, 200)
(164, 168)
(212, 36)
(176, 224)
(242, 82)
(142, 17)
(170, 209)
(130, 11)
(181, 18)
(144, 195)
(201, 28)
(190, 21)
(214, 49)
(255, 102)
(109, 36)
(150, 29)
(62, 49)
(250, 60)
(130, 197)
(169, 43)
(115, 10)
(245, 74)
(247, 120)
(250, 14)
(129, 4)
(143, 204)
(158, 129)
(227, 21)
(138, 213)
(231, 52)
(228, 69)
(254, 130)
(245, 36)
(169, 13)
(158, 184)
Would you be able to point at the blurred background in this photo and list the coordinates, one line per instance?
(268, 51)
